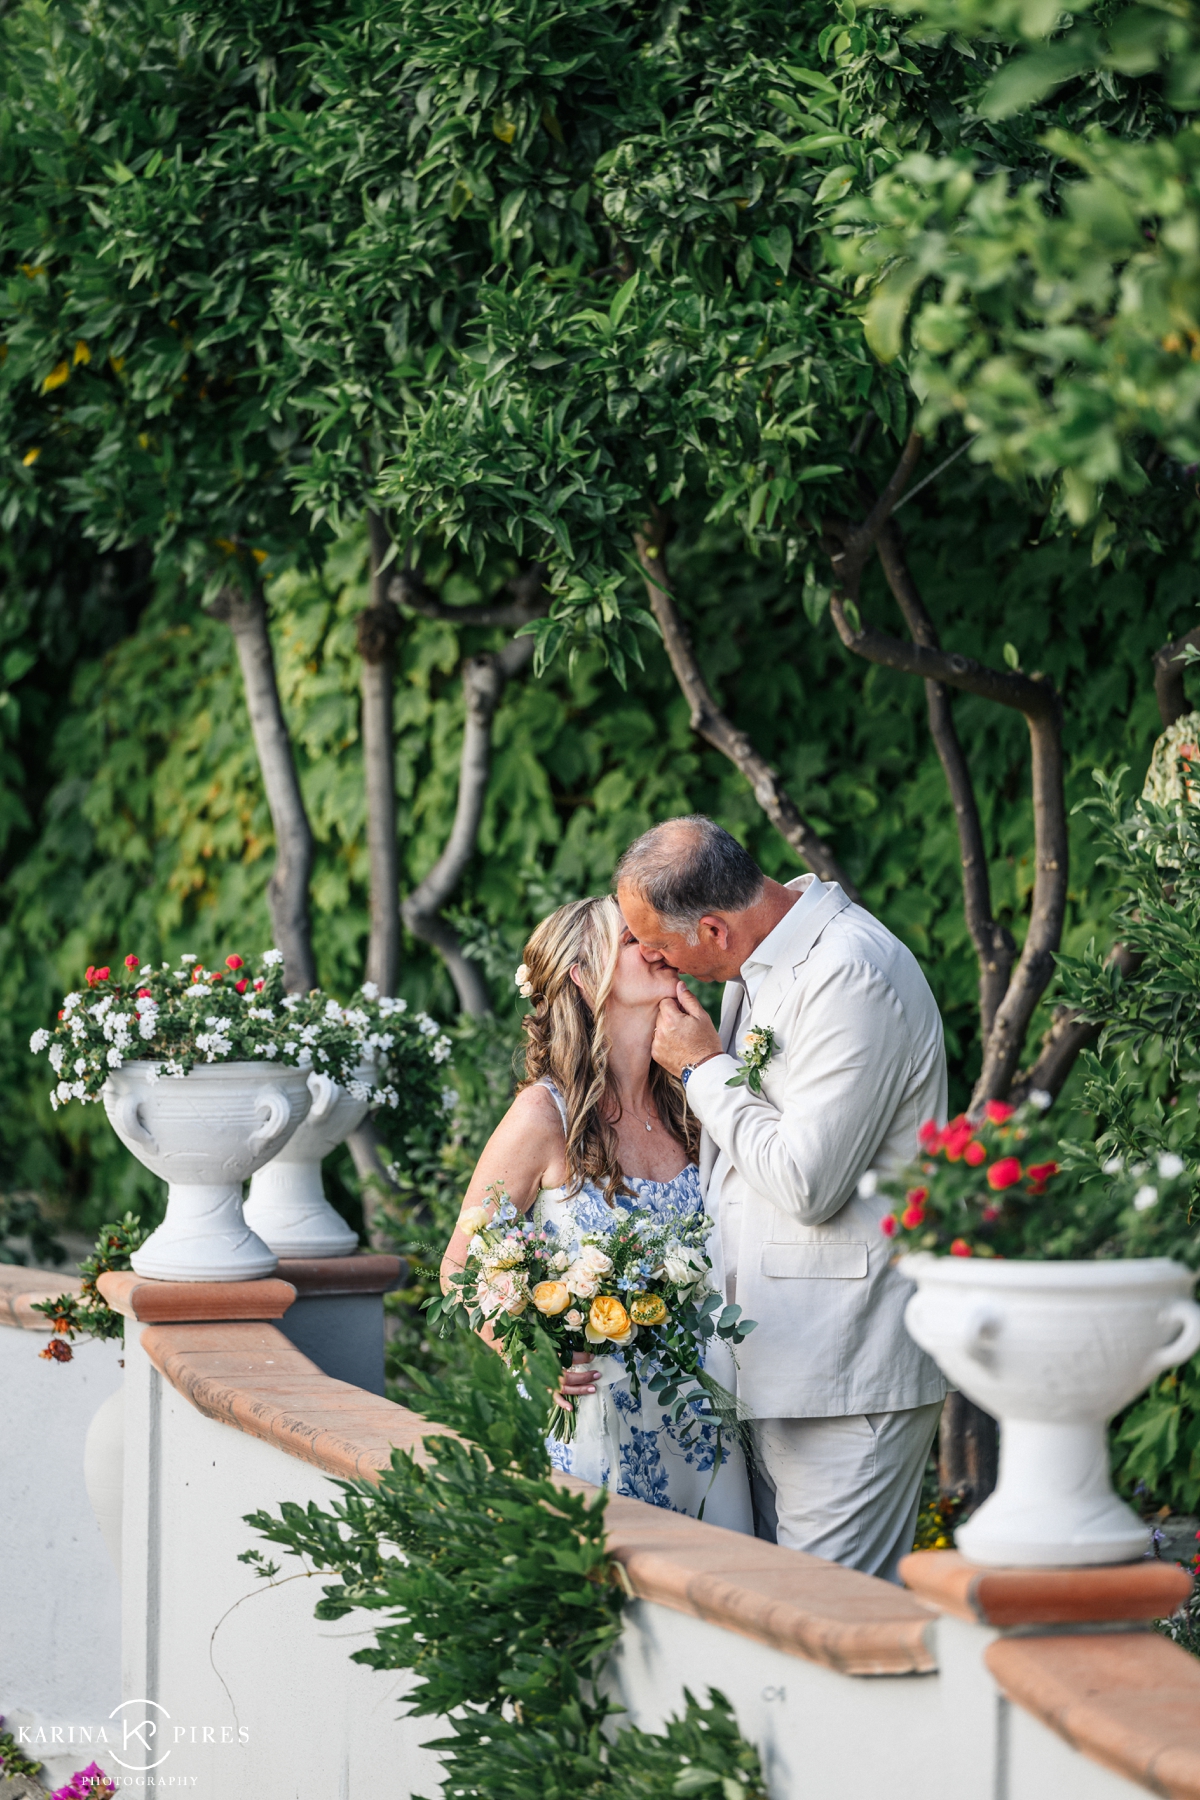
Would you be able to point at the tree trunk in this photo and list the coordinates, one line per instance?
(287, 892)
(377, 630)
(710, 723)
(484, 680)
(968, 1453)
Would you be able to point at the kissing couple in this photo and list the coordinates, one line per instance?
(632, 1098)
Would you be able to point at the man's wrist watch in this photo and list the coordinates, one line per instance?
(689, 1069)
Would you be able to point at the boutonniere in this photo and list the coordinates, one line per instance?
(758, 1047)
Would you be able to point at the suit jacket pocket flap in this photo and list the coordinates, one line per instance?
(824, 1261)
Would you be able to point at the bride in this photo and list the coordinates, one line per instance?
(597, 1129)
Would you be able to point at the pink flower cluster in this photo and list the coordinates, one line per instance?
(87, 1784)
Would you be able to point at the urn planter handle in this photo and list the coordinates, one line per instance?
(1185, 1342)
(278, 1117)
(129, 1120)
(325, 1091)
(979, 1340)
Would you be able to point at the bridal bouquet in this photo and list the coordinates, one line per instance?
(642, 1290)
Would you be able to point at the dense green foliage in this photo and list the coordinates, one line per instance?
(1054, 311)
(498, 1594)
(149, 827)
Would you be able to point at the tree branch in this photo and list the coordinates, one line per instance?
(994, 945)
(378, 628)
(1067, 1036)
(1168, 677)
(484, 679)
(529, 601)
(710, 723)
(1031, 695)
(287, 892)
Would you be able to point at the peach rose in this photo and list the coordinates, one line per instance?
(607, 1318)
(551, 1297)
(647, 1309)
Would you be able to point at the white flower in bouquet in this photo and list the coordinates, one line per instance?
(583, 1282)
(509, 1253)
(560, 1261)
(683, 1266)
(472, 1220)
(592, 1257)
(505, 1291)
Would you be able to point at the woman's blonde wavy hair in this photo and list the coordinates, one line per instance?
(566, 1040)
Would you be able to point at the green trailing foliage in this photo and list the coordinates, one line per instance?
(1143, 1090)
(499, 1596)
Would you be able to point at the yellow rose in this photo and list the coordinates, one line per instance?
(472, 1220)
(608, 1317)
(647, 1309)
(552, 1297)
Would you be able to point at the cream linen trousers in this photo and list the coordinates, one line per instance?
(847, 1488)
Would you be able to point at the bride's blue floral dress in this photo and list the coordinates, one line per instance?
(636, 1448)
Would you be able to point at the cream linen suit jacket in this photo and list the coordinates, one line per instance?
(859, 1064)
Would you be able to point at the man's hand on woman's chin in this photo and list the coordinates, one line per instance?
(683, 1033)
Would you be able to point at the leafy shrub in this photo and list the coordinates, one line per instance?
(500, 1596)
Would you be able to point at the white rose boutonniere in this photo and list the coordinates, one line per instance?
(758, 1047)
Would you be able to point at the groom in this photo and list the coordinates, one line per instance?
(845, 1404)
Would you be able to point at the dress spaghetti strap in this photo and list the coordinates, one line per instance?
(557, 1097)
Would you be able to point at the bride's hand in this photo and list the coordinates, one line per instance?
(580, 1378)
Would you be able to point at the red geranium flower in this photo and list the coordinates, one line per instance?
(990, 1213)
(998, 1111)
(241, 986)
(1042, 1171)
(259, 984)
(1004, 1174)
(131, 962)
(234, 962)
(144, 994)
(888, 1224)
(955, 1138)
(960, 1247)
(974, 1153)
(928, 1135)
(912, 1216)
(103, 974)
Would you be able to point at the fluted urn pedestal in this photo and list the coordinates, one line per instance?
(1052, 1350)
(286, 1205)
(205, 1134)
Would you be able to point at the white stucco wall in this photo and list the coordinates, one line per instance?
(255, 1697)
(288, 1715)
(61, 1604)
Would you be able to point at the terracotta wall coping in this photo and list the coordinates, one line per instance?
(20, 1287)
(362, 1273)
(249, 1376)
(1129, 1700)
(141, 1297)
(1008, 1597)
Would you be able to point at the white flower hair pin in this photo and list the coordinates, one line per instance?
(524, 985)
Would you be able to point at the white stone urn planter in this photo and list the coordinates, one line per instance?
(205, 1133)
(1052, 1350)
(286, 1205)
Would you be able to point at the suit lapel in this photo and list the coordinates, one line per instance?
(731, 1006)
(777, 983)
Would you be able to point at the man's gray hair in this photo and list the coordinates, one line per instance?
(687, 867)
